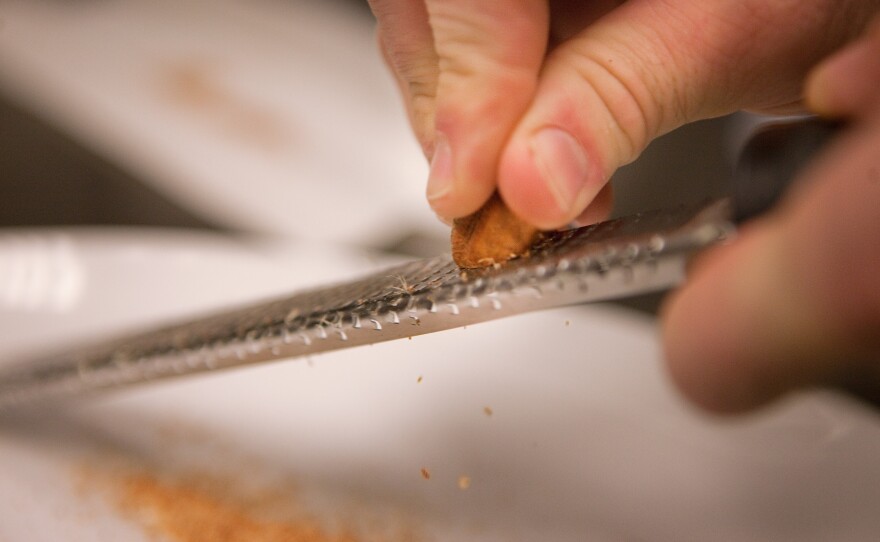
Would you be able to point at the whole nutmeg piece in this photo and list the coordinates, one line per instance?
(490, 236)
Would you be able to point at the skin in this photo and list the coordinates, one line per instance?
(543, 101)
(795, 301)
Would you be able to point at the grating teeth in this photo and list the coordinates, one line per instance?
(568, 267)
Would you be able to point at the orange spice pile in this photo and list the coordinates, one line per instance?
(187, 513)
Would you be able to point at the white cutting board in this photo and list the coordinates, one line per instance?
(586, 439)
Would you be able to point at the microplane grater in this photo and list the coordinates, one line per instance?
(635, 254)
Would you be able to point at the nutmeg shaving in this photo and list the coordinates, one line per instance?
(490, 236)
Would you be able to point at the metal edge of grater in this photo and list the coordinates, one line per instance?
(626, 256)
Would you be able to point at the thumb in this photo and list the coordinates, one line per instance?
(832, 90)
(644, 69)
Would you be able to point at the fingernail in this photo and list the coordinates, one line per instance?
(440, 177)
(563, 166)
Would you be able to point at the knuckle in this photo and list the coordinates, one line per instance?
(486, 38)
(417, 69)
(632, 111)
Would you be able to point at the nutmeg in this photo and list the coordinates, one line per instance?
(490, 236)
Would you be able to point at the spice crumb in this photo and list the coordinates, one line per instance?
(567, 323)
(426, 474)
(419, 379)
(464, 482)
(488, 411)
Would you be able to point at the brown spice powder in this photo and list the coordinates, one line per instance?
(185, 513)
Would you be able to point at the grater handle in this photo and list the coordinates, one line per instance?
(772, 159)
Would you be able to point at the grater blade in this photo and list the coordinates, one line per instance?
(626, 256)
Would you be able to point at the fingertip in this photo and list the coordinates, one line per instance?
(452, 191)
(688, 362)
(817, 94)
(518, 186)
(728, 344)
(823, 94)
(547, 177)
(697, 362)
(599, 209)
(846, 82)
(472, 123)
(459, 204)
(443, 220)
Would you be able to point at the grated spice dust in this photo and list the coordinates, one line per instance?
(187, 513)
(228, 496)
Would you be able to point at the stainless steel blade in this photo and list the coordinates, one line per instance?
(626, 256)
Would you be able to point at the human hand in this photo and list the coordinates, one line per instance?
(795, 300)
(495, 107)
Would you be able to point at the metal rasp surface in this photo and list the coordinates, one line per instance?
(640, 253)
(626, 256)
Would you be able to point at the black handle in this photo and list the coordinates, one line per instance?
(772, 159)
